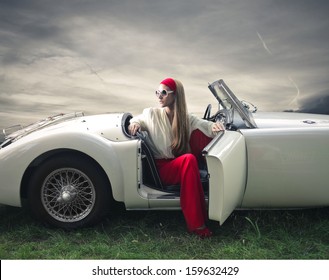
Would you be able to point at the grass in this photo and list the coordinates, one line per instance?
(298, 234)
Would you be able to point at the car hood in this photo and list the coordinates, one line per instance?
(109, 126)
(290, 119)
(18, 131)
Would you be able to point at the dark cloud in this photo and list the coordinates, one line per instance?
(318, 104)
(97, 56)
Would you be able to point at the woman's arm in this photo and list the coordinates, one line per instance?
(139, 122)
(207, 127)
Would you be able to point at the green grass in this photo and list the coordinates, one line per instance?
(298, 234)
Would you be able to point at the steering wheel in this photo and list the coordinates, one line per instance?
(220, 116)
(206, 115)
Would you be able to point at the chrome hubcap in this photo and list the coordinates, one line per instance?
(68, 195)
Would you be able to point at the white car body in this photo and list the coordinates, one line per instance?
(269, 160)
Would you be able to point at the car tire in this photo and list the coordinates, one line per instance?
(69, 191)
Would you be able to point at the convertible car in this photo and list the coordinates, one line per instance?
(70, 168)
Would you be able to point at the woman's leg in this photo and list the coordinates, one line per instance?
(184, 170)
(198, 141)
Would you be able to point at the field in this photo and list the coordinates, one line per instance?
(295, 234)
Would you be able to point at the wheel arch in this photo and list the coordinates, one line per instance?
(54, 153)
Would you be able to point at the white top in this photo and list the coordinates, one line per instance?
(157, 124)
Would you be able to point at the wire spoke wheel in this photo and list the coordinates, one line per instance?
(68, 195)
(69, 191)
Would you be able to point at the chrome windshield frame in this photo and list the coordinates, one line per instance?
(231, 103)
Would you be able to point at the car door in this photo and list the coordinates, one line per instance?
(227, 167)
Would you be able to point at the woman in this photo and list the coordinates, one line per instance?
(170, 128)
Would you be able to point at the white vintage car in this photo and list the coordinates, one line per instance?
(71, 168)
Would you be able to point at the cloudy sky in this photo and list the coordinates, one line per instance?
(100, 56)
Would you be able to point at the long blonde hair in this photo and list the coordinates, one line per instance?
(181, 123)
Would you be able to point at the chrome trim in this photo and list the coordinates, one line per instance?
(213, 142)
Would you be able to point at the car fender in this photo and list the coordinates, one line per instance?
(287, 167)
(114, 157)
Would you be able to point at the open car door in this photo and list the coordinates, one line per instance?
(227, 166)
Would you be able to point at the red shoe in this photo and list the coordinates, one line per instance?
(203, 232)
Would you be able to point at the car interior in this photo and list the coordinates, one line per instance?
(150, 175)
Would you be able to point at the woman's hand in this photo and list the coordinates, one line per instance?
(217, 127)
(133, 128)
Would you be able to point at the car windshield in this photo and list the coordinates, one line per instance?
(231, 103)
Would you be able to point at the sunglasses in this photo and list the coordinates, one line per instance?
(163, 92)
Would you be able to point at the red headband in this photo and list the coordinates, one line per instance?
(170, 83)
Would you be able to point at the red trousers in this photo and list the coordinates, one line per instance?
(184, 170)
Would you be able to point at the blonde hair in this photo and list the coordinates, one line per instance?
(181, 123)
